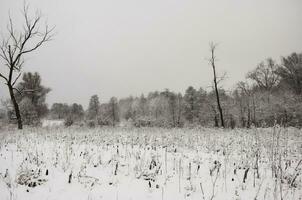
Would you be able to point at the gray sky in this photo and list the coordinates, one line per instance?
(128, 47)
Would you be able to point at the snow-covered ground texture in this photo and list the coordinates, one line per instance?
(152, 163)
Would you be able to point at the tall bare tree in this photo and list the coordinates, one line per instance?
(212, 62)
(15, 46)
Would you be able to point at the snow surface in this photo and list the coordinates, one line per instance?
(52, 123)
(149, 163)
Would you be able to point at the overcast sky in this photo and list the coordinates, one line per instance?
(128, 47)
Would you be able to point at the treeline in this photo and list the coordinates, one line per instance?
(270, 94)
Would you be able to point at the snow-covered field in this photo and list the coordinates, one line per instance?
(52, 123)
(151, 163)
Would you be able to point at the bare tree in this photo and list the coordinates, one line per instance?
(15, 46)
(212, 62)
(265, 75)
(290, 72)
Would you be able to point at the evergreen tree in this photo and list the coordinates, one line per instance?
(31, 91)
(93, 108)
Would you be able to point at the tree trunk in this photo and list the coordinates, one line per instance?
(219, 108)
(16, 106)
(217, 97)
(215, 84)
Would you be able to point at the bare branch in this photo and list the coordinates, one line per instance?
(12, 34)
(2, 76)
(222, 77)
(3, 54)
(16, 79)
(213, 47)
(47, 36)
(20, 92)
(12, 48)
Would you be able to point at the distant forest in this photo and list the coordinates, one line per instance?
(271, 94)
